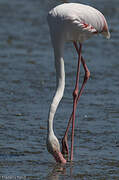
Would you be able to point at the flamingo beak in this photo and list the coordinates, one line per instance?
(59, 157)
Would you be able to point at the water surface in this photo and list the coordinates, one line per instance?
(27, 83)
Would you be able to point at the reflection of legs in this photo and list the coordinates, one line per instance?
(65, 149)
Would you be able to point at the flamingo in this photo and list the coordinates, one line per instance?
(76, 23)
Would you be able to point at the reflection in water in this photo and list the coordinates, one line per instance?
(56, 172)
(61, 170)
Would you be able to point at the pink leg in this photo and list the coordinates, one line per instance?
(86, 77)
(75, 97)
(65, 149)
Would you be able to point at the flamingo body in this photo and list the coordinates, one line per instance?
(69, 22)
(76, 22)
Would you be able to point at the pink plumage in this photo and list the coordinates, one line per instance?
(70, 22)
(77, 22)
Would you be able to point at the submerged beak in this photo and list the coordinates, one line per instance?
(59, 157)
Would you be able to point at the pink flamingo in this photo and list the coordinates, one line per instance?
(70, 22)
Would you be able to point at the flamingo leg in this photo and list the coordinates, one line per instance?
(65, 149)
(75, 97)
(87, 73)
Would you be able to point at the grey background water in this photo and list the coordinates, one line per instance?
(27, 83)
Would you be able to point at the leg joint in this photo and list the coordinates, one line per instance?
(75, 93)
(87, 74)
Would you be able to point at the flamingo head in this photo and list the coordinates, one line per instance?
(53, 147)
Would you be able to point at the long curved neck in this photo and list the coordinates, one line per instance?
(60, 85)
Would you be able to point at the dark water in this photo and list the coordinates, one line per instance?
(27, 83)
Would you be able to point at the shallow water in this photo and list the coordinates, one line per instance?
(27, 83)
